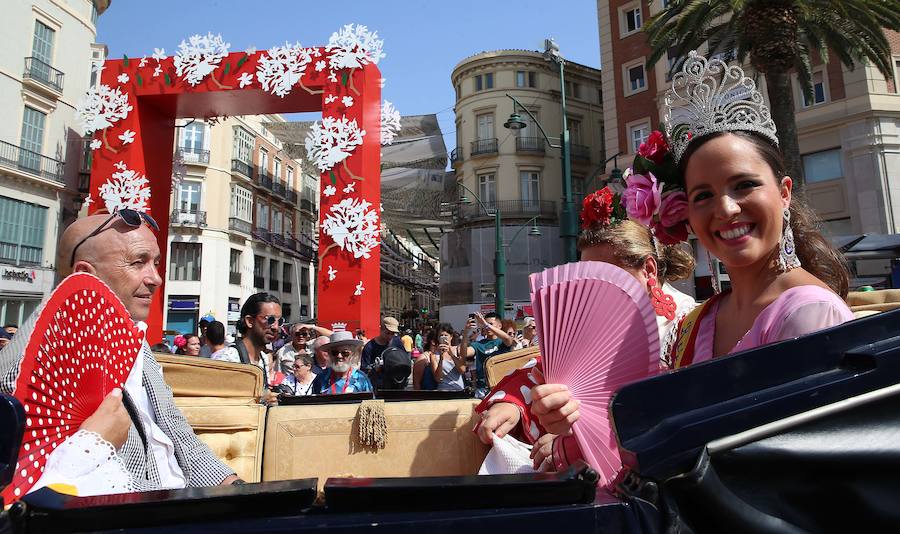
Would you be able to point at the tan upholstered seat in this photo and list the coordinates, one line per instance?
(424, 438)
(499, 366)
(864, 303)
(220, 401)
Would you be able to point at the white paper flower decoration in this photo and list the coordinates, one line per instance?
(330, 98)
(96, 143)
(127, 137)
(123, 78)
(359, 289)
(100, 108)
(282, 67)
(332, 141)
(390, 123)
(332, 273)
(349, 188)
(199, 56)
(159, 54)
(126, 189)
(353, 227)
(320, 65)
(347, 101)
(245, 79)
(354, 46)
(329, 190)
(143, 62)
(157, 71)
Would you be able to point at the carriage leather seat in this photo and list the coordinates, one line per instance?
(865, 303)
(219, 400)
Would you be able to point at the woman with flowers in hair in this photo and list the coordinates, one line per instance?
(609, 236)
(725, 177)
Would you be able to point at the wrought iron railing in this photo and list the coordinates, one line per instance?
(510, 208)
(286, 287)
(234, 278)
(530, 144)
(273, 284)
(277, 239)
(278, 189)
(456, 155)
(195, 155)
(242, 167)
(259, 281)
(262, 235)
(16, 157)
(580, 152)
(41, 72)
(308, 205)
(292, 196)
(240, 225)
(264, 179)
(188, 217)
(484, 146)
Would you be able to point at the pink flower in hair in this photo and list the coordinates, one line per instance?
(673, 209)
(642, 197)
(180, 341)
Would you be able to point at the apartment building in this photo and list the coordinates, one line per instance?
(243, 221)
(49, 48)
(514, 171)
(849, 132)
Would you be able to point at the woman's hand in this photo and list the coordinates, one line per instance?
(497, 421)
(443, 348)
(542, 453)
(269, 398)
(555, 408)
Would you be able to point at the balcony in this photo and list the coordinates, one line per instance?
(240, 225)
(279, 190)
(264, 179)
(510, 209)
(263, 235)
(286, 287)
(195, 156)
(292, 196)
(259, 281)
(234, 278)
(44, 74)
(481, 147)
(188, 218)
(456, 156)
(307, 205)
(278, 240)
(28, 162)
(241, 167)
(273, 284)
(530, 144)
(580, 152)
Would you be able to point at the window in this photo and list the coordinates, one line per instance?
(487, 188)
(638, 135)
(578, 191)
(32, 139)
(276, 221)
(289, 223)
(234, 267)
(526, 78)
(489, 80)
(530, 187)
(192, 138)
(259, 266)
(262, 215)
(290, 177)
(818, 83)
(631, 20)
(241, 203)
(574, 131)
(189, 197)
(273, 274)
(22, 227)
(573, 90)
(184, 261)
(458, 92)
(304, 281)
(485, 125)
(671, 58)
(277, 170)
(263, 161)
(42, 45)
(636, 79)
(823, 166)
(896, 80)
(479, 83)
(243, 144)
(286, 278)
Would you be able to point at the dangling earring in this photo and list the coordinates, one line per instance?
(713, 273)
(663, 305)
(787, 253)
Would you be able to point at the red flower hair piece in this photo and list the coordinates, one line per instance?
(602, 207)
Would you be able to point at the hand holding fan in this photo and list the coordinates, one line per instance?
(598, 332)
(83, 346)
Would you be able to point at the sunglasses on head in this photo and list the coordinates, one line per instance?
(132, 218)
(345, 353)
(271, 320)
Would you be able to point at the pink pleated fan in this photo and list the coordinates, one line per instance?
(82, 347)
(597, 332)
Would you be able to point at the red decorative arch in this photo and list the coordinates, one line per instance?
(130, 144)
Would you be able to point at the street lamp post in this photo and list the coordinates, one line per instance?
(499, 252)
(568, 227)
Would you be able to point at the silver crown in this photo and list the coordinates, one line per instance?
(709, 96)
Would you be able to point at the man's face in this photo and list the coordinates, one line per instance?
(493, 321)
(299, 338)
(385, 333)
(128, 264)
(11, 330)
(261, 329)
(3, 342)
(342, 358)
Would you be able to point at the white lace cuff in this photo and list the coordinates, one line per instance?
(89, 463)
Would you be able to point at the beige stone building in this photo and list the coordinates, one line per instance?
(514, 171)
(849, 132)
(49, 47)
(243, 220)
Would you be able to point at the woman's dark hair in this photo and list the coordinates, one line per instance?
(215, 333)
(816, 253)
(252, 306)
(434, 335)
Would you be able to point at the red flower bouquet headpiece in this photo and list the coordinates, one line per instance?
(602, 208)
(654, 194)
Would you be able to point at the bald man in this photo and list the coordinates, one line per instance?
(158, 447)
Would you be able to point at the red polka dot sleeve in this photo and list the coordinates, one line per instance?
(515, 388)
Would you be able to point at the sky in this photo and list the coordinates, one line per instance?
(423, 40)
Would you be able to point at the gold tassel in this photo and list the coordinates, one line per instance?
(372, 424)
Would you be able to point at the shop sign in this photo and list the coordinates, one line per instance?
(19, 275)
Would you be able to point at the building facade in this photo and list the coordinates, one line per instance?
(849, 132)
(243, 220)
(515, 172)
(47, 67)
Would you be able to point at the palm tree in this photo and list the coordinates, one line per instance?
(779, 36)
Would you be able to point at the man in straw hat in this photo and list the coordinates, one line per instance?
(343, 358)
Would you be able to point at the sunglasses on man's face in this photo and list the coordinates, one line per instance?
(273, 319)
(132, 218)
(343, 353)
(302, 333)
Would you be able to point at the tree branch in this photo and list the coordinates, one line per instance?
(355, 177)
(350, 80)
(215, 81)
(107, 145)
(324, 252)
(310, 91)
